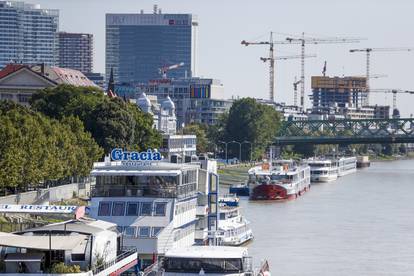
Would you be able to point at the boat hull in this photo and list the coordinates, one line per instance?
(323, 178)
(239, 191)
(275, 192)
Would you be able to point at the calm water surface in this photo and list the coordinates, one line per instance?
(361, 224)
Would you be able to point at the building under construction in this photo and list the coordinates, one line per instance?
(337, 91)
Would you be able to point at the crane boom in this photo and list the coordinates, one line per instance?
(368, 61)
(310, 40)
(163, 70)
(394, 93)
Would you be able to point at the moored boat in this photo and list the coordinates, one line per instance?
(241, 189)
(214, 260)
(279, 180)
(233, 228)
(322, 169)
(346, 165)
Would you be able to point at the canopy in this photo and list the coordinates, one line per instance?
(57, 242)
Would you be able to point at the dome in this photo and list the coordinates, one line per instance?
(143, 102)
(168, 104)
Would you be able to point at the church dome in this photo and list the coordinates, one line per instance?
(143, 102)
(168, 104)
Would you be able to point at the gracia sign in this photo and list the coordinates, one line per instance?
(134, 158)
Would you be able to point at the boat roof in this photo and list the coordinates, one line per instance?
(207, 252)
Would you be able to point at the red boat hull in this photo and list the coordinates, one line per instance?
(273, 192)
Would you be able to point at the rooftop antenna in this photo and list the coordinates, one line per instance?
(142, 11)
(155, 9)
(324, 69)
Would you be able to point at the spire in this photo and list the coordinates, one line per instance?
(111, 85)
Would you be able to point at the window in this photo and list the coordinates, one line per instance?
(160, 208)
(118, 209)
(130, 231)
(120, 229)
(144, 232)
(156, 231)
(146, 209)
(78, 257)
(132, 209)
(104, 209)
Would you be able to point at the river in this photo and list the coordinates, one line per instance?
(360, 224)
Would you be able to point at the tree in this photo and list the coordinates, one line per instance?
(200, 131)
(111, 122)
(35, 148)
(250, 121)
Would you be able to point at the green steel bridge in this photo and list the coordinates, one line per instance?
(346, 131)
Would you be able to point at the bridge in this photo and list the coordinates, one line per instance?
(346, 131)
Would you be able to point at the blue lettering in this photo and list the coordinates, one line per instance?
(157, 156)
(126, 156)
(116, 154)
(143, 155)
(134, 156)
(149, 155)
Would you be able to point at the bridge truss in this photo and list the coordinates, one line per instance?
(347, 131)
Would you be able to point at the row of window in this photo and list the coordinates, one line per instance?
(184, 232)
(120, 208)
(140, 232)
(185, 206)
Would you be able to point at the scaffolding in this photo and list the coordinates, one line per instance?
(338, 91)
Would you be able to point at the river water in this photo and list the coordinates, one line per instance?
(360, 224)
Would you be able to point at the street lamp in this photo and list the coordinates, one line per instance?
(225, 143)
(239, 148)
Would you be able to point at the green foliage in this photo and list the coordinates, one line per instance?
(200, 131)
(62, 268)
(250, 121)
(35, 148)
(111, 122)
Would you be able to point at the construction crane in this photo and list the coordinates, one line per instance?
(394, 94)
(163, 70)
(368, 61)
(309, 40)
(295, 89)
(271, 58)
(286, 58)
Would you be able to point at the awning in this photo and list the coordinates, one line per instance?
(41, 242)
(24, 257)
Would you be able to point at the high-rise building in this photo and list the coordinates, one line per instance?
(28, 34)
(138, 46)
(76, 51)
(338, 91)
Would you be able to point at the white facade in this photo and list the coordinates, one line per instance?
(182, 145)
(153, 206)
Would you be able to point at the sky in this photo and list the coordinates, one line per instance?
(224, 23)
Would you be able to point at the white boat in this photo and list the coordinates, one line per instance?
(346, 165)
(156, 205)
(322, 169)
(278, 180)
(233, 228)
(212, 260)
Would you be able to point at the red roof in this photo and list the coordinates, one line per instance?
(10, 68)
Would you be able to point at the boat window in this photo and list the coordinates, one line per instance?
(160, 208)
(132, 208)
(207, 265)
(104, 208)
(222, 216)
(130, 231)
(156, 231)
(279, 177)
(146, 209)
(118, 209)
(144, 232)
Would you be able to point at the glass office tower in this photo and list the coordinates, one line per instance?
(28, 34)
(138, 45)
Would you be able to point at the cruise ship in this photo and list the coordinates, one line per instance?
(157, 205)
(346, 165)
(279, 180)
(233, 228)
(322, 169)
(328, 169)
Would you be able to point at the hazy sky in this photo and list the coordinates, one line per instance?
(224, 23)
